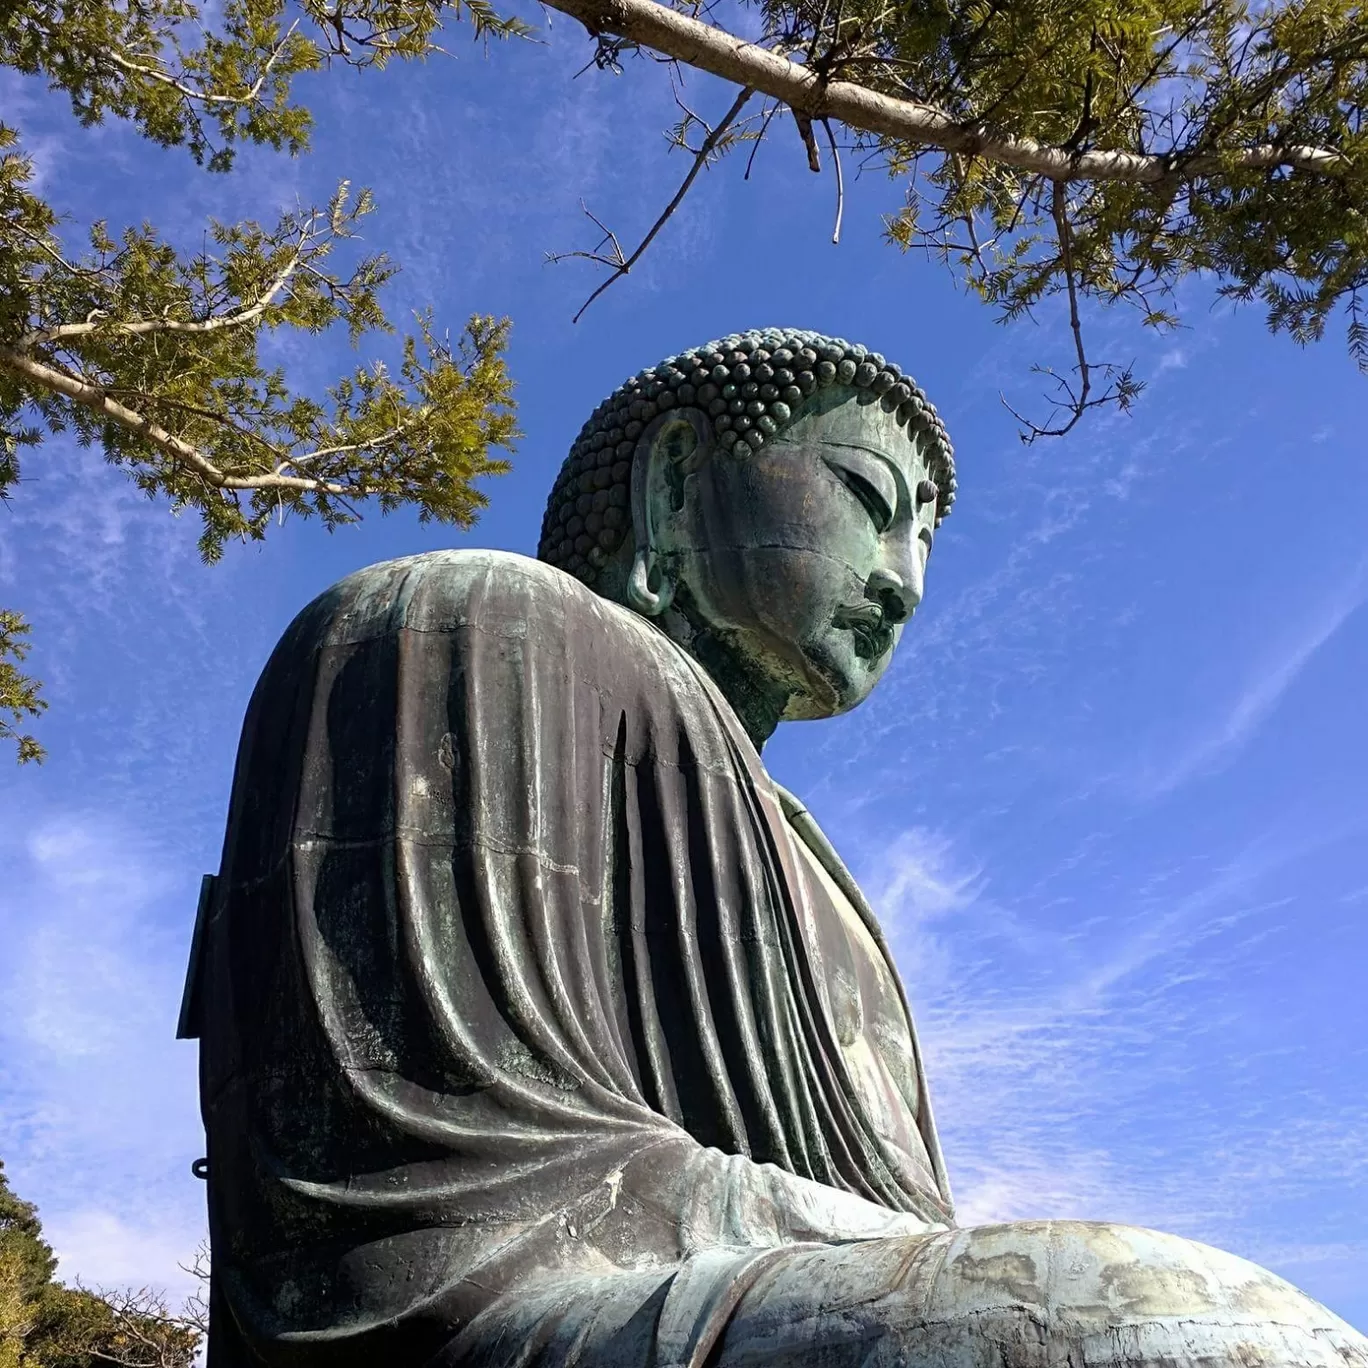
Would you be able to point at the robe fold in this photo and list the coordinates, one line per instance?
(530, 1004)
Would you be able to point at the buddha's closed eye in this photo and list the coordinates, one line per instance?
(869, 481)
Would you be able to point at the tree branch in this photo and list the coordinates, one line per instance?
(144, 326)
(760, 137)
(1059, 210)
(758, 69)
(199, 96)
(99, 401)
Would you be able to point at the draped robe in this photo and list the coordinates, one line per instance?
(522, 984)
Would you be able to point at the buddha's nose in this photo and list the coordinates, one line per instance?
(893, 594)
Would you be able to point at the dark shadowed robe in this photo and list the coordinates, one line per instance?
(538, 1023)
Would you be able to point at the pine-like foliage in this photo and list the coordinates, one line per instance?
(45, 1324)
(1220, 136)
(19, 696)
(154, 355)
(26, 1271)
(1074, 150)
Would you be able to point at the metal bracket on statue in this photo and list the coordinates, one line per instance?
(191, 1012)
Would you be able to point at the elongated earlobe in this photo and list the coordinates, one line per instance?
(648, 591)
(672, 439)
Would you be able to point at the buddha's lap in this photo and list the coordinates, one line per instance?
(1032, 1294)
(1048, 1294)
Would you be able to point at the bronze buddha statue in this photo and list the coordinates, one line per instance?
(540, 1026)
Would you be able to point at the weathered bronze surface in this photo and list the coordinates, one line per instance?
(539, 1025)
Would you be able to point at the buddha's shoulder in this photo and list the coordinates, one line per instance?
(449, 591)
(510, 624)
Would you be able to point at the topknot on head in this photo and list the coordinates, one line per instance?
(752, 385)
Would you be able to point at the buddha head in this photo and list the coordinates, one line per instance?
(770, 501)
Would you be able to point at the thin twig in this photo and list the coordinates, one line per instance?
(840, 183)
(1076, 402)
(760, 137)
(615, 260)
(48, 250)
(1059, 208)
(624, 265)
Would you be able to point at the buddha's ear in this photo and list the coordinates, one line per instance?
(671, 446)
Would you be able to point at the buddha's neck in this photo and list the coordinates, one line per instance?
(757, 709)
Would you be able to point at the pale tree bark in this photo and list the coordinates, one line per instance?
(714, 50)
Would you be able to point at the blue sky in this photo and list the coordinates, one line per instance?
(1110, 798)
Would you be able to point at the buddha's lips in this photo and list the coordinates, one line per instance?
(866, 622)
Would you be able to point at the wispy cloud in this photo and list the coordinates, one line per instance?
(179, 641)
(93, 1087)
(1264, 687)
(1058, 1057)
(104, 1250)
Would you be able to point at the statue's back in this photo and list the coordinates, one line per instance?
(511, 970)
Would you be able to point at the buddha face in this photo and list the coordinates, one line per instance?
(801, 563)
